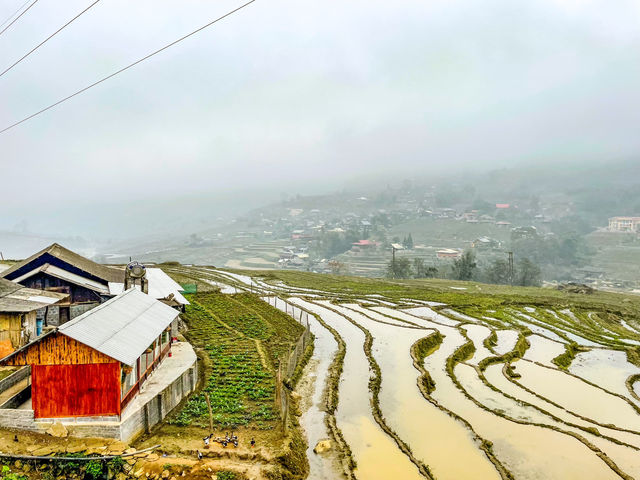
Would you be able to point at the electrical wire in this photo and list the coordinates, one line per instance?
(14, 13)
(16, 19)
(146, 57)
(47, 39)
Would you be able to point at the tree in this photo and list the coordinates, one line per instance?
(400, 268)
(408, 243)
(465, 266)
(528, 274)
(420, 270)
(498, 272)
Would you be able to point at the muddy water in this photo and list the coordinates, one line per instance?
(427, 318)
(607, 368)
(376, 454)
(578, 396)
(477, 334)
(625, 457)
(311, 389)
(543, 350)
(495, 377)
(354, 307)
(506, 341)
(434, 437)
(429, 314)
(529, 452)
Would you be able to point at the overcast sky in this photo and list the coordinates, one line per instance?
(304, 96)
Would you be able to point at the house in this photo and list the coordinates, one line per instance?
(448, 253)
(86, 282)
(624, 224)
(95, 364)
(483, 243)
(502, 206)
(19, 307)
(60, 270)
(364, 245)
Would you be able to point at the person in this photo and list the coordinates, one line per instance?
(224, 443)
(253, 442)
(199, 455)
(206, 441)
(235, 442)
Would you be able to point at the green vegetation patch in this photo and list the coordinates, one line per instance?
(240, 387)
(564, 360)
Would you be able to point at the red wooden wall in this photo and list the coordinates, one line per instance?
(75, 390)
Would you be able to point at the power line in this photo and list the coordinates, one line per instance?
(16, 19)
(82, 90)
(14, 13)
(47, 39)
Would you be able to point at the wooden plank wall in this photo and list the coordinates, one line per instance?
(75, 390)
(58, 349)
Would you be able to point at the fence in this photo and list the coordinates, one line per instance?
(287, 367)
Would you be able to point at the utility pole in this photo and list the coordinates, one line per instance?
(510, 268)
(393, 260)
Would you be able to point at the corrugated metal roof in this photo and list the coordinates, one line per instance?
(15, 298)
(161, 286)
(123, 327)
(65, 275)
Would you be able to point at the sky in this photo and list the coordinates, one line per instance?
(299, 97)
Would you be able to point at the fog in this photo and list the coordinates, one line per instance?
(298, 97)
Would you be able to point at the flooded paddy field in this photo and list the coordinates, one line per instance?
(431, 389)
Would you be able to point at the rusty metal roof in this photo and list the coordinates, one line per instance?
(103, 272)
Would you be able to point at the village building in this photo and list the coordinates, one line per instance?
(624, 224)
(87, 283)
(364, 245)
(18, 314)
(89, 372)
(445, 253)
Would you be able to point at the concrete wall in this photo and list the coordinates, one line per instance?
(14, 378)
(159, 406)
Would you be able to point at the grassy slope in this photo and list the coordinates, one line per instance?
(233, 331)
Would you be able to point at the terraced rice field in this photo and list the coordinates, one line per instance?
(419, 387)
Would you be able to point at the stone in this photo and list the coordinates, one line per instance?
(152, 457)
(322, 446)
(76, 448)
(18, 464)
(42, 451)
(130, 450)
(166, 473)
(57, 430)
(121, 476)
(139, 473)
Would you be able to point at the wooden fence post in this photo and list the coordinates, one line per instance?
(206, 396)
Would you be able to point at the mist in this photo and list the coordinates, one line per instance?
(299, 98)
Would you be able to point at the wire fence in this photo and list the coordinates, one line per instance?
(287, 367)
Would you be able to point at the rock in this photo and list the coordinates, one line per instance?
(139, 473)
(152, 457)
(121, 476)
(18, 464)
(322, 446)
(42, 451)
(166, 473)
(130, 450)
(76, 448)
(130, 461)
(57, 430)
